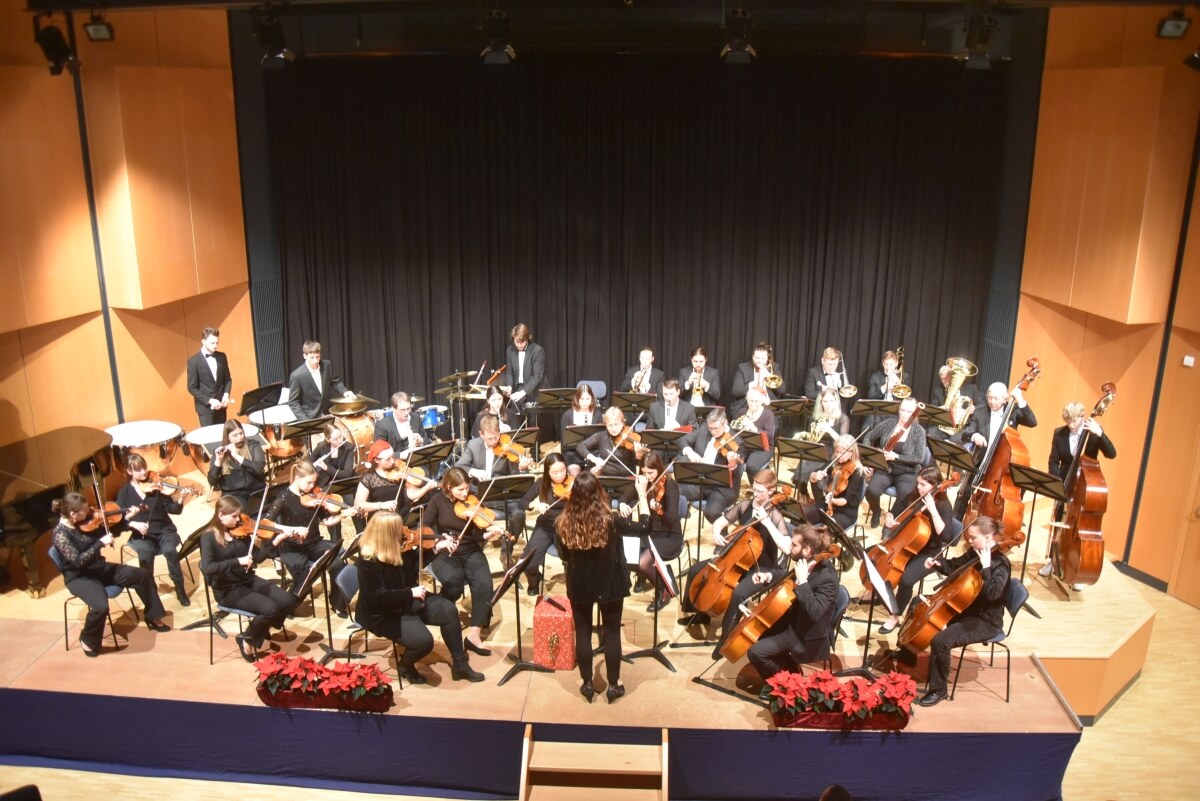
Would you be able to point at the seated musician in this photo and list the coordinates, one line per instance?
(758, 419)
(86, 571)
(526, 362)
(460, 560)
(483, 459)
(935, 508)
(803, 634)
(393, 604)
(604, 455)
(334, 458)
(1065, 446)
(883, 382)
(313, 385)
(711, 444)
(904, 457)
(400, 430)
(496, 406)
(988, 420)
(828, 422)
(840, 489)
(772, 562)
(545, 499)
(299, 514)
(380, 491)
(701, 383)
(583, 412)
(238, 468)
(984, 618)
(961, 411)
(827, 375)
(671, 412)
(643, 377)
(651, 508)
(152, 531)
(945, 376)
(759, 371)
(228, 565)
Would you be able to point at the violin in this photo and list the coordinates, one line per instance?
(727, 446)
(412, 538)
(401, 472)
(839, 484)
(111, 515)
(473, 511)
(157, 482)
(319, 497)
(628, 438)
(509, 448)
(245, 527)
(563, 491)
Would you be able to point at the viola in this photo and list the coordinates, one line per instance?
(839, 483)
(411, 538)
(563, 491)
(727, 446)
(473, 511)
(628, 438)
(913, 529)
(774, 603)
(111, 515)
(508, 448)
(1081, 543)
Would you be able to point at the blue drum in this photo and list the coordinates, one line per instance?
(433, 416)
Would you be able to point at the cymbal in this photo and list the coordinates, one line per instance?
(455, 376)
(445, 390)
(416, 398)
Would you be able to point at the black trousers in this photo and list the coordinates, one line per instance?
(269, 603)
(880, 481)
(89, 588)
(456, 571)
(716, 499)
(744, 589)
(167, 544)
(411, 631)
(610, 633)
(914, 571)
(782, 649)
(963, 631)
(210, 417)
(540, 540)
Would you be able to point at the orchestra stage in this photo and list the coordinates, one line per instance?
(158, 707)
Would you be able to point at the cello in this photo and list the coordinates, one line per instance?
(1080, 542)
(912, 532)
(993, 493)
(774, 603)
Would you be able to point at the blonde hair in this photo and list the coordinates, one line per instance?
(1073, 411)
(382, 538)
(303, 469)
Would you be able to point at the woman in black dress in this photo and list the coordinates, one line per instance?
(659, 524)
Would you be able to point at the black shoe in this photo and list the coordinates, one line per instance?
(92, 654)
(874, 522)
(615, 691)
(532, 590)
(932, 698)
(462, 670)
(587, 691)
(410, 674)
(159, 626)
(888, 628)
(695, 619)
(716, 654)
(477, 649)
(659, 603)
(245, 645)
(641, 585)
(905, 657)
(183, 599)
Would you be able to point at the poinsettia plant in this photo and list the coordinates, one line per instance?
(857, 697)
(278, 672)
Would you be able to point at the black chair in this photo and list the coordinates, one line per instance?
(1016, 597)
(347, 582)
(111, 590)
(214, 620)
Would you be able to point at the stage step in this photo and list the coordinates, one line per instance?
(559, 771)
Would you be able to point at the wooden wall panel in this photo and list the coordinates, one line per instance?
(1185, 574)
(66, 365)
(1055, 335)
(229, 310)
(1172, 470)
(1140, 45)
(1084, 37)
(1187, 310)
(16, 409)
(152, 349)
(12, 302)
(195, 38)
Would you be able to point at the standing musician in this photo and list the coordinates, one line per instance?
(334, 458)
(596, 577)
(701, 383)
(152, 531)
(496, 406)
(903, 443)
(937, 510)
(482, 463)
(882, 383)
(671, 412)
(980, 621)
(988, 421)
(313, 385)
(208, 379)
(86, 571)
(228, 553)
(772, 562)
(393, 604)
(583, 412)
(239, 466)
(710, 444)
(604, 455)
(399, 430)
(840, 489)
(545, 499)
(460, 560)
(760, 371)
(526, 361)
(299, 514)
(828, 422)
(758, 419)
(1063, 448)
(651, 508)
(803, 633)
(643, 377)
(380, 492)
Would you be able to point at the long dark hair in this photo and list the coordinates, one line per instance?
(544, 491)
(586, 521)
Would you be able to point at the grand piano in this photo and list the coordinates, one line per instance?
(35, 471)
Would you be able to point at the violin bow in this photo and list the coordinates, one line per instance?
(262, 504)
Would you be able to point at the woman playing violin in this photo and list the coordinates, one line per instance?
(984, 618)
(295, 510)
(583, 412)
(658, 521)
(713, 443)
(802, 635)
(614, 451)
(393, 604)
(496, 406)
(87, 572)
(460, 559)
(239, 466)
(839, 489)
(228, 553)
(380, 489)
(152, 531)
(828, 423)
(545, 499)
(935, 507)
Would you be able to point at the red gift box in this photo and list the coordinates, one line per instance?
(554, 633)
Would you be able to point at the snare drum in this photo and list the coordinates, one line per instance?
(433, 416)
(201, 443)
(359, 429)
(156, 441)
(272, 420)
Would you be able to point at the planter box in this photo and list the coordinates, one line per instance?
(300, 700)
(836, 720)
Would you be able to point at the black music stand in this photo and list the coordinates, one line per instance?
(936, 416)
(319, 570)
(431, 454)
(573, 435)
(704, 476)
(526, 437)
(659, 439)
(616, 486)
(881, 590)
(501, 490)
(306, 429)
(875, 408)
(954, 455)
(1030, 479)
(702, 412)
(633, 402)
(802, 450)
(790, 408)
(661, 576)
(557, 398)
(264, 397)
(510, 580)
(873, 458)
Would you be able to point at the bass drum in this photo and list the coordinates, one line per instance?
(156, 441)
(201, 443)
(271, 421)
(359, 429)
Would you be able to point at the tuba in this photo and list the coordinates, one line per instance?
(901, 390)
(959, 406)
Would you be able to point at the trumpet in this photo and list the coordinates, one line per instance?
(901, 390)
(848, 390)
(637, 381)
(697, 387)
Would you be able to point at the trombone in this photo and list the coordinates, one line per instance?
(848, 390)
(773, 380)
(901, 390)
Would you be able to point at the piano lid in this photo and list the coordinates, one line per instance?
(51, 460)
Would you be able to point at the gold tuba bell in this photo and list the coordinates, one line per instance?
(901, 390)
(960, 406)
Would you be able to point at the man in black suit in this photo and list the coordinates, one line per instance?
(882, 383)
(313, 385)
(482, 465)
(208, 379)
(671, 413)
(988, 420)
(829, 373)
(401, 430)
(756, 371)
(643, 377)
(701, 382)
(526, 362)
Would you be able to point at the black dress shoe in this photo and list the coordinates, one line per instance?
(410, 674)
(695, 619)
(462, 670)
(641, 585)
(615, 691)
(587, 691)
(93, 653)
(159, 626)
(888, 628)
(183, 599)
(874, 522)
(477, 649)
(659, 603)
(932, 697)
(245, 645)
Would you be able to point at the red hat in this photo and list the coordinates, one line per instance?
(378, 448)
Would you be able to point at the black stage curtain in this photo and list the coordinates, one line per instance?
(426, 204)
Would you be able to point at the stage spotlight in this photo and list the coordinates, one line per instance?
(98, 30)
(738, 49)
(269, 32)
(54, 46)
(498, 50)
(1173, 26)
(1193, 60)
(979, 38)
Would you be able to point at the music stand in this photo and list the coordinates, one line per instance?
(661, 576)
(875, 408)
(558, 398)
(264, 397)
(873, 458)
(802, 450)
(702, 412)
(305, 428)
(790, 408)
(434, 453)
(573, 435)
(703, 476)
(954, 455)
(633, 402)
(517, 656)
(616, 486)
(347, 485)
(1030, 479)
(315, 571)
(526, 437)
(881, 590)
(660, 439)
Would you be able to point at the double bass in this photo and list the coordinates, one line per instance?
(993, 493)
(912, 532)
(1080, 541)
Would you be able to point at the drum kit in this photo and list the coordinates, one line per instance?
(457, 393)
